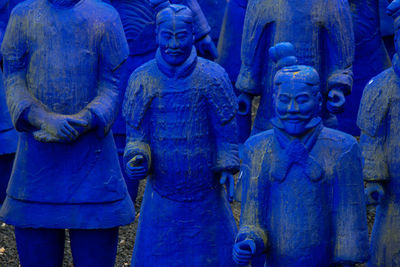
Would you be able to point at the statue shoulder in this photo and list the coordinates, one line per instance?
(259, 142)
(334, 140)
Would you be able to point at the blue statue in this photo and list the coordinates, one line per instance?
(61, 74)
(8, 135)
(378, 119)
(370, 58)
(8, 143)
(321, 31)
(229, 57)
(181, 131)
(303, 195)
(138, 20)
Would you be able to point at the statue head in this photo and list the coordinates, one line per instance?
(297, 98)
(175, 33)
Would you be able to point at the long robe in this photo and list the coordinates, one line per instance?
(308, 211)
(65, 60)
(182, 121)
(378, 119)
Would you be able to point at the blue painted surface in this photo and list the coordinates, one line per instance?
(180, 112)
(45, 247)
(378, 120)
(8, 135)
(61, 75)
(370, 58)
(322, 34)
(303, 199)
(138, 20)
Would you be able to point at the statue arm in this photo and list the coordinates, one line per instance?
(113, 53)
(223, 109)
(134, 110)
(15, 55)
(254, 191)
(339, 40)
(254, 50)
(350, 219)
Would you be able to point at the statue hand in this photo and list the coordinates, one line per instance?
(244, 103)
(336, 100)
(229, 181)
(83, 115)
(374, 193)
(206, 48)
(59, 127)
(244, 251)
(137, 168)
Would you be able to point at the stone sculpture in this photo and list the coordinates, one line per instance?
(61, 74)
(378, 119)
(138, 20)
(370, 58)
(8, 135)
(302, 199)
(180, 113)
(321, 31)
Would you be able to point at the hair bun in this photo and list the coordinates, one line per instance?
(283, 54)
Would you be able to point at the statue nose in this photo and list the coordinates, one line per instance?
(293, 107)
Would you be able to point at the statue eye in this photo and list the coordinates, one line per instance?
(284, 99)
(302, 99)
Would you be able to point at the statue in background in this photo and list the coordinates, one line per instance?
(61, 74)
(322, 34)
(370, 58)
(303, 195)
(378, 119)
(180, 114)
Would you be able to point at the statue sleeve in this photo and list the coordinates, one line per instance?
(15, 56)
(372, 116)
(254, 192)
(134, 110)
(349, 213)
(112, 54)
(223, 108)
(256, 36)
(339, 41)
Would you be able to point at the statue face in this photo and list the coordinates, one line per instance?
(175, 39)
(296, 104)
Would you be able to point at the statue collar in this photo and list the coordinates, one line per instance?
(181, 71)
(396, 64)
(289, 150)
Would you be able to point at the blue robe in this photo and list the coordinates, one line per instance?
(182, 121)
(304, 209)
(63, 61)
(378, 119)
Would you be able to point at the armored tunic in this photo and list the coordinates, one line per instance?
(305, 208)
(378, 119)
(64, 60)
(321, 32)
(182, 121)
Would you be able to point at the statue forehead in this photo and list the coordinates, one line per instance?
(294, 88)
(175, 16)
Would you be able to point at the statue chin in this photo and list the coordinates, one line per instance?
(295, 128)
